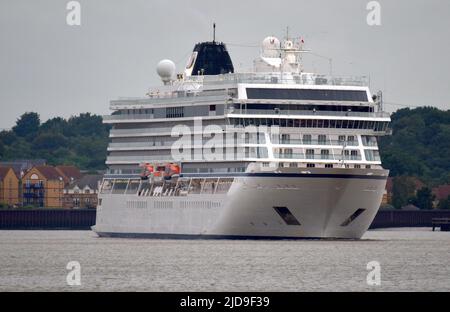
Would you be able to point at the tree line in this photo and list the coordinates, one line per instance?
(79, 140)
(419, 148)
(419, 145)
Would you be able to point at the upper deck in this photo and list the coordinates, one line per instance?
(220, 87)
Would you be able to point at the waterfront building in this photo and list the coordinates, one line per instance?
(82, 193)
(9, 187)
(43, 186)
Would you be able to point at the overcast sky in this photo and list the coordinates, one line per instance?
(54, 69)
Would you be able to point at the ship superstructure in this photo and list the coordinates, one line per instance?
(272, 153)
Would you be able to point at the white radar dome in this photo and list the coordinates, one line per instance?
(166, 70)
(270, 47)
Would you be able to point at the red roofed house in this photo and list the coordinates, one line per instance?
(69, 173)
(441, 192)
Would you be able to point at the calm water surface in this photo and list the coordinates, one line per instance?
(411, 260)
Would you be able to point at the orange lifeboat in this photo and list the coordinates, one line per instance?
(159, 172)
(148, 170)
(174, 169)
(171, 170)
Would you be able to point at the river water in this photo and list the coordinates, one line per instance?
(410, 260)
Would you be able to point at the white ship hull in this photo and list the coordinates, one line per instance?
(318, 205)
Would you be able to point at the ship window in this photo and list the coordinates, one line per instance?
(351, 154)
(345, 124)
(174, 112)
(324, 154)
(209, 186)
(287, 153)
(106, 186)
(262, 152)
(322, 139)
(309, 154)
(212, 108)
(310, 165)
(307, 94)
(224, 185)
(182, 188)
(328, 165)
(285, 139)
(307, 139)
(119, 186)
(196, 186)
(369, 140)
(133, 186)
(372, 155)
(320, 123)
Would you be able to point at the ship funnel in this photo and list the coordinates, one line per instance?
(209, 58)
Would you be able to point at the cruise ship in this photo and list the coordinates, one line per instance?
(272, 153)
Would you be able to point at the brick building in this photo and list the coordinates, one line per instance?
(43, 186)
(9, 187)
(83, 192)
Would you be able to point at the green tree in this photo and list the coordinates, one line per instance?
(49, 141)
(27, 125)
(8, 137)
(81, 140)
(419, 145)
(56, 124)
(444, 203)
(2, 149)
(402, 191)
(424, 198)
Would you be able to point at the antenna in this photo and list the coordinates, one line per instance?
(214, 32)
